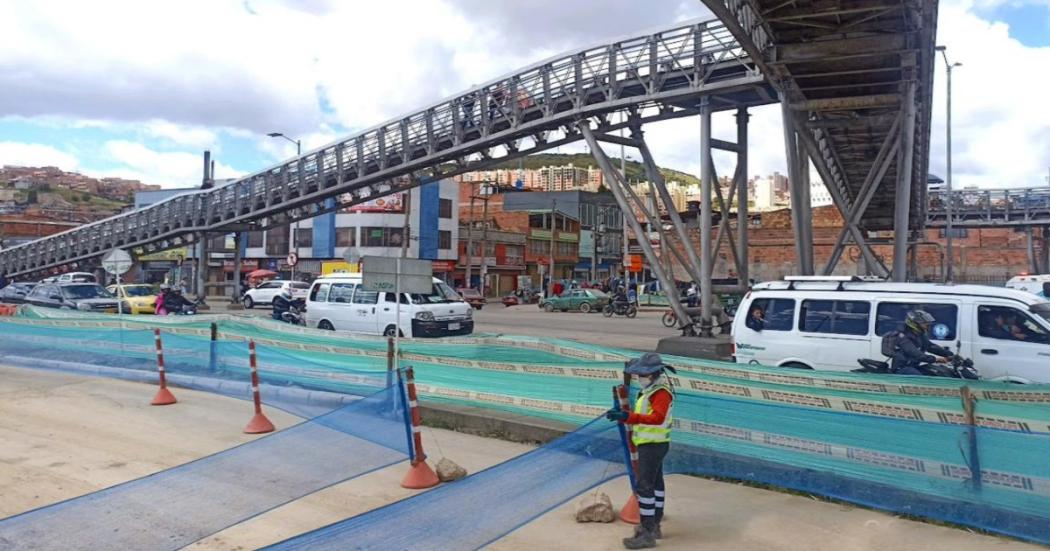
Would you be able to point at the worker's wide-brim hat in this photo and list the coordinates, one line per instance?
(648, 364)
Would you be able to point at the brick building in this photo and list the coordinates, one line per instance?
(986, 255)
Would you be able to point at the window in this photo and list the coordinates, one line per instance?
(277, 242)
(444, 208)
(843, 317)
(346, 237)
(319, 293)
(771, 314)
(361, 296)
(444, 240)
(300, 285)
(255, 239)
(341, 292)
(957, 233)
(538, 221)
(304, 237)
(565, 249)
(1009, 324)
(381, 237)
(389, 297)
(514, 255)
(539, 247)
(890, 316)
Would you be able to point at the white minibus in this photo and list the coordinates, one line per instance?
(338, 302)
(820, 322)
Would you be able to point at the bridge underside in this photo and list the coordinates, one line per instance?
(855, 79)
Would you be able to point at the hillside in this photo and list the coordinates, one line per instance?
(635, 170)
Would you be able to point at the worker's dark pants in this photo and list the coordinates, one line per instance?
(650, 483)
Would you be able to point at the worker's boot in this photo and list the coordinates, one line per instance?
(642, 539)
(657, 534)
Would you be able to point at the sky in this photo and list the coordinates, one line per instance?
(139, 89)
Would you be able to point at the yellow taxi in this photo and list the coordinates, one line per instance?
(137, 299)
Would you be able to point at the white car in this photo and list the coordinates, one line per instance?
(265, 292)
(821, 322)
(340, 303)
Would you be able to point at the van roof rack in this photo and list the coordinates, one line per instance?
(792, 280)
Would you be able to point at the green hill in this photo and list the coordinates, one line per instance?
(635, 170)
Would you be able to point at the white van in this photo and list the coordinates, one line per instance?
(830, 322)
(72, 277)
(338, 302)
(1037, 284)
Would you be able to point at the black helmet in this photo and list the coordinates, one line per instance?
(919, 320)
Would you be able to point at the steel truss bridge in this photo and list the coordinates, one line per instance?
(853, 78)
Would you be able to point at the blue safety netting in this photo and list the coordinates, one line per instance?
(481, 508)
(178, 506)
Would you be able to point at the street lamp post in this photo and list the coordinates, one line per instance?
(298, 163)
(950, 273)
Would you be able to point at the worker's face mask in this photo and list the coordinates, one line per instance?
(645, 381)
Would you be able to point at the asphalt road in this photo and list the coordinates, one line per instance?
(640, 333)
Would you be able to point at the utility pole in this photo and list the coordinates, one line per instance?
(486, 190)
(599, 224)
(554, 223)
(950, 272)
(406, 228)
(470, 235)
(299, 175)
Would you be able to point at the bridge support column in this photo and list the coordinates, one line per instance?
(236, 268)
(801, 214)
(1045, 256)
(1033, 263)
(707, 181)
(902, 209)
(742, 220)
(618, 185)
(201, 249)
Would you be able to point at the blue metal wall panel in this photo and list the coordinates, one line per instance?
(429, 202)
(324, 233)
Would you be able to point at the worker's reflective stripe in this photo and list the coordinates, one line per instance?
(652, 434)
(646, 500)
(659, 493)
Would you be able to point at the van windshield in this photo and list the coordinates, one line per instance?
(439, 292)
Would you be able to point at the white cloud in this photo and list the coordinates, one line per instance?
(168, 169)
(33, 154)
(194, 136)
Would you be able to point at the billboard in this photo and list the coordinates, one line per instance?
(395, 202)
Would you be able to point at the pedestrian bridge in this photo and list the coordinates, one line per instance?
(854, 83)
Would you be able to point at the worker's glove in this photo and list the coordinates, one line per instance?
(616, 415)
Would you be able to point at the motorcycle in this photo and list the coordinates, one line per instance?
(627, 309)
(956, 368)
(294, 316)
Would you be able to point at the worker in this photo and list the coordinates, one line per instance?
(652, 437)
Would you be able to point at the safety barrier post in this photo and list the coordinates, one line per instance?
(164, 396)
(419, 475)
(630, 512)
(259, 423)
(213, 348)
(389, 361)
(969, 415)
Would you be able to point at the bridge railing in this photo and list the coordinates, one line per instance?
(990, 205)
(528, 103)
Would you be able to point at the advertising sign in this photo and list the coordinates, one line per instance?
(394, 202)
(380, 273)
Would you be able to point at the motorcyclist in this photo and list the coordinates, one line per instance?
(620, 299)
(281, 304)
(174, 302)
(158, 304)
(913, 347)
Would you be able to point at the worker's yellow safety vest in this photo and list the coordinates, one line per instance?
(652, 434)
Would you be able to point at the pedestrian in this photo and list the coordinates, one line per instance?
(652, 420)
(158, 304)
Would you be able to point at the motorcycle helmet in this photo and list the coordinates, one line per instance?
(919, 321)
(165, 287)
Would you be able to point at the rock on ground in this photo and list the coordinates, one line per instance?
(448, 470)
(596, 507)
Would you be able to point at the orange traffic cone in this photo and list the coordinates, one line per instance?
(420, 476)
(164, 397)
(630, 513)
(259, 424)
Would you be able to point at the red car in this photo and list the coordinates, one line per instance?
(472, 297)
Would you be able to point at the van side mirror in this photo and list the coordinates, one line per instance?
(1046, 289)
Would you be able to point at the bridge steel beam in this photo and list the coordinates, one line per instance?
(883, 160)
(742, 220)
(803, 234)
(707, 181)
(617, 185)
(902, 209)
